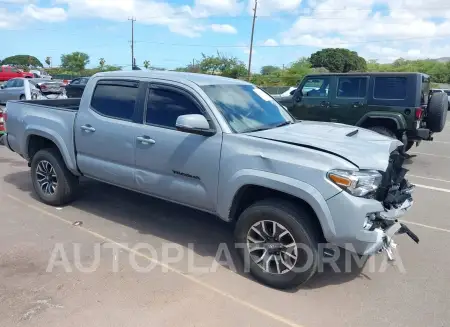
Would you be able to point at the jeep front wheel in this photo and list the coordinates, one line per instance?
(278, 243)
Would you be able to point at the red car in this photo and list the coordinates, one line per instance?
(7, 72)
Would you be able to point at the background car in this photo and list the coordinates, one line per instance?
(8, 72)
(31, 89)
(442, 90)
(76, 87)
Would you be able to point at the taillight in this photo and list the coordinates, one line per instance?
(43, 87)
(2, 121)
(419, 113)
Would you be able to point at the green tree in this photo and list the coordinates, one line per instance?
(23, 61)
(101, 63)
(48, 61)
(338, 60)
(269, 70)
(146, 64)
(222, 65)
(75, 61)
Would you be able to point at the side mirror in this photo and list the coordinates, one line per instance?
(292, 92)
(195, 124)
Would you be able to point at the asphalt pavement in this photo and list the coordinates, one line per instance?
(77, 265)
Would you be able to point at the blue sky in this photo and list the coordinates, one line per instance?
(172, 33)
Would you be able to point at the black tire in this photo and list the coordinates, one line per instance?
(22, 97)
(437, 112)
(67, 183)
(299, 224)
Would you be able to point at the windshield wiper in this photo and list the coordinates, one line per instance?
(284, 123)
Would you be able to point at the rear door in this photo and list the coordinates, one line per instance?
(311, 101)
(17, 90)
(105, 130)
(349, 102)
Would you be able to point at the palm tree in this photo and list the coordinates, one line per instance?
(102, 63)
(146, 64)
(48, 61)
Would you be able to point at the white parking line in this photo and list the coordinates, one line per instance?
(193, 279)
(429, 178)
(431, 155)
(433, 188)
(427, 226)
(442, 142)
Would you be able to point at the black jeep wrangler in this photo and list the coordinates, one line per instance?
(399, 105)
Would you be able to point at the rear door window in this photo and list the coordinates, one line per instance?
(115, 99)
(390, 88)
(352, 87)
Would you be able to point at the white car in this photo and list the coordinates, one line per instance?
(31, 89)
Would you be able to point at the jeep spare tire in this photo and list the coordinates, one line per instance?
(437, 112)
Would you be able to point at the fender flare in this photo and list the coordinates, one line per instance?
(287, 185)
(397, 118)
(56, 139)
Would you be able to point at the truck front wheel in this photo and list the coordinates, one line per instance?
(52, 181)
(278, 243)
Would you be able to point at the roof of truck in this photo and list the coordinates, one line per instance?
(199, 79)
(370, 74)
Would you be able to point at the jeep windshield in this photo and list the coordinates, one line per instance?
(247, 108)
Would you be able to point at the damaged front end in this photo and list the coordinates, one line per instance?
(395, 193)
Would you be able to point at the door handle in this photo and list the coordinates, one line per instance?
(357, 104)
(88, 128)
(145, 140)
(324, 104)
(333, 120)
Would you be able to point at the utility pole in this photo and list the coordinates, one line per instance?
(251, 40)
(132, 41)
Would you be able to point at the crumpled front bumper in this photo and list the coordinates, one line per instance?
(368, 226)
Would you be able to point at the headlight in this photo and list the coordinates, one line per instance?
(358, 183)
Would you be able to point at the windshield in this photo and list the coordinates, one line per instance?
(246, 107)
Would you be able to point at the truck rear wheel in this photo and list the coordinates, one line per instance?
(278, 243)
(52, 181)
(437, 112)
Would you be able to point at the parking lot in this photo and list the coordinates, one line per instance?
(414, 292)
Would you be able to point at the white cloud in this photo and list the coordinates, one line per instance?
(269, 7)
(45, 14)
(407, 28)
(223, 28)
(205, 8)
(270, 43)
(18, 19)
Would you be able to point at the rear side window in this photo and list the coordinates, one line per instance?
(115, 99)
(19, 83)
(75, 82)
(352, 87)
(391, 88)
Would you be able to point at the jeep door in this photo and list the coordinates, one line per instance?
(311, 101)
(349, 101)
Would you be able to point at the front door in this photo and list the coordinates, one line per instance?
(311, 101)
(105, 129)
(171, 164)
(349, 102)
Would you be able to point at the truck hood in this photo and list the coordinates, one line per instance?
(362, 147)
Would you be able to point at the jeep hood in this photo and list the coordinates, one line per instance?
(362, 147)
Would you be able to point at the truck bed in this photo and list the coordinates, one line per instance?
(68, 104)
(50, 119)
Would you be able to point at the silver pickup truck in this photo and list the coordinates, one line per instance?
(225, 147)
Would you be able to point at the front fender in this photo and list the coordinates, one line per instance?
(280, 183)
(394, 116)
(68, 156)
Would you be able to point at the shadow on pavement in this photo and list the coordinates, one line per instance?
(171, 222)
